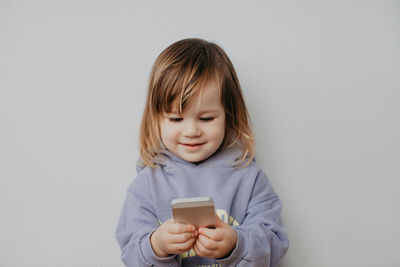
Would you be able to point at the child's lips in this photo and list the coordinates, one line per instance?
(192, 144)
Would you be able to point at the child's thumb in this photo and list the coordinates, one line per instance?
(218, 221)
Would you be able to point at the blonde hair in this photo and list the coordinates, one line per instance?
(181, 71)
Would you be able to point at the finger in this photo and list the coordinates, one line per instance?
(219, 222)
(214, 234)
(201, 250)
(207, 243)
(196, 250)
(181, 238)
(179, 248)
(178, 228)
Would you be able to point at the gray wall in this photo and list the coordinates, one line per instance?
(321, 79)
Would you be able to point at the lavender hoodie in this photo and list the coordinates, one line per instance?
(243, 197)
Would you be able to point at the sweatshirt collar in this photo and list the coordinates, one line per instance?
(225, 158)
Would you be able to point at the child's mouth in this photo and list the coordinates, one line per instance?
(193, 145)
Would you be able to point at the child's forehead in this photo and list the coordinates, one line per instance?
(206, 99)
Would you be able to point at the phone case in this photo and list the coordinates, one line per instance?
(198, 211)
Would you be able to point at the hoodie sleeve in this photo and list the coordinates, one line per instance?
(262, 241)
(136, 224)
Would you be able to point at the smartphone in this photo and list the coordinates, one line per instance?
(197, 211)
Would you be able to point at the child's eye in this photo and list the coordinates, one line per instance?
(175, 119)
(207, 119)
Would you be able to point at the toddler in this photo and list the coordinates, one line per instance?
(196, 140)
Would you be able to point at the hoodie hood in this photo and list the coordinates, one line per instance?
(228, 158)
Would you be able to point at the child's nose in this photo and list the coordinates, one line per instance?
(191, 129)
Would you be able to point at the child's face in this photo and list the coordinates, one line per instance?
(198, 132)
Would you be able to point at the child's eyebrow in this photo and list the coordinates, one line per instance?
(201, 111)
(172, 112)
(209, 111)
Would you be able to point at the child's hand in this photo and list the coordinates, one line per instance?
(215, 243)
(173, 238)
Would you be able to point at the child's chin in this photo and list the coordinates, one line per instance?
(193, 158)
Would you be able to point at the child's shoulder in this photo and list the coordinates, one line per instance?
(141, 180)
(247, 164)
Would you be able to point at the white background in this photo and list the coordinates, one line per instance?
(321, 80)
